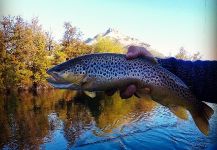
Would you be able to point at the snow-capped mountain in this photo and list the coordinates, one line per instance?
(118, 37)
(123, 40)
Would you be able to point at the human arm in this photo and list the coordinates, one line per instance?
(200, 76)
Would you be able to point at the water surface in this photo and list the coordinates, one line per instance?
(61, 119)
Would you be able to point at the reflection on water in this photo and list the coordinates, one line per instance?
(65, 119)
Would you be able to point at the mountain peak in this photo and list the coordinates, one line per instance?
(118, 37)
(111, 30)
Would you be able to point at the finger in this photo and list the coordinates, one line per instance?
(128, 92)
(110, 92)
(132, 52)
(132, 55)
(135, 51)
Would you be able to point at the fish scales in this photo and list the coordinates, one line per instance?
(114, 67)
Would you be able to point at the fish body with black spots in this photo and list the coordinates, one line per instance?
(106, 71)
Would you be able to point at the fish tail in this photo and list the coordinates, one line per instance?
(201, 116)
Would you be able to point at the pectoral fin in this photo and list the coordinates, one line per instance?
(180, 112)
(74, 79)
(88, 82)
(90, 94)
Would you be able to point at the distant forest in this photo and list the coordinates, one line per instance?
(27, 51)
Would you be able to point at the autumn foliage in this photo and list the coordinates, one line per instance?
(27, 51)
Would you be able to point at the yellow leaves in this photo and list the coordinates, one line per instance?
(59, 57)
(76, 48)
(27, 61)
(23, 77)
(108, 45)
(7, 71)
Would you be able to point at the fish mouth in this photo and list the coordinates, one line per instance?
(57, 82)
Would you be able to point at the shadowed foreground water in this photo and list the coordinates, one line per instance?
(61, 119)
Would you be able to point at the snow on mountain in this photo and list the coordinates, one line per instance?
(123, 40)
(118, 37)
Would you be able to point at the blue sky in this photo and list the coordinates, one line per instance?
(165, 24)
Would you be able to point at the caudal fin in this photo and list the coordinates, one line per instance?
(201, 116)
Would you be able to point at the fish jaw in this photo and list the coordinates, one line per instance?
(57, 81)
(62, 85)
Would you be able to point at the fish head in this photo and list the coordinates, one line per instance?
(68, 75)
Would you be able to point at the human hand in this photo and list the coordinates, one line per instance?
(130, 90)
(136, 51)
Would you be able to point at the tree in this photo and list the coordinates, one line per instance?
(49, 41)
(7, 71)
(71, 34)
(39, 61)
(23, 51)
(70, 39)
(182, 54)
(108, 45)
(72, 45)
(196, 56)
(9, 63)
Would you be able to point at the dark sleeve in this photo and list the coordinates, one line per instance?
(200, 76)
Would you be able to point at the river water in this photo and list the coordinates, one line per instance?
(62, 119)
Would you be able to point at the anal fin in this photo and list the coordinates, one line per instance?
(179, 111)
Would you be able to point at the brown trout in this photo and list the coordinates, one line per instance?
(105, 71)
